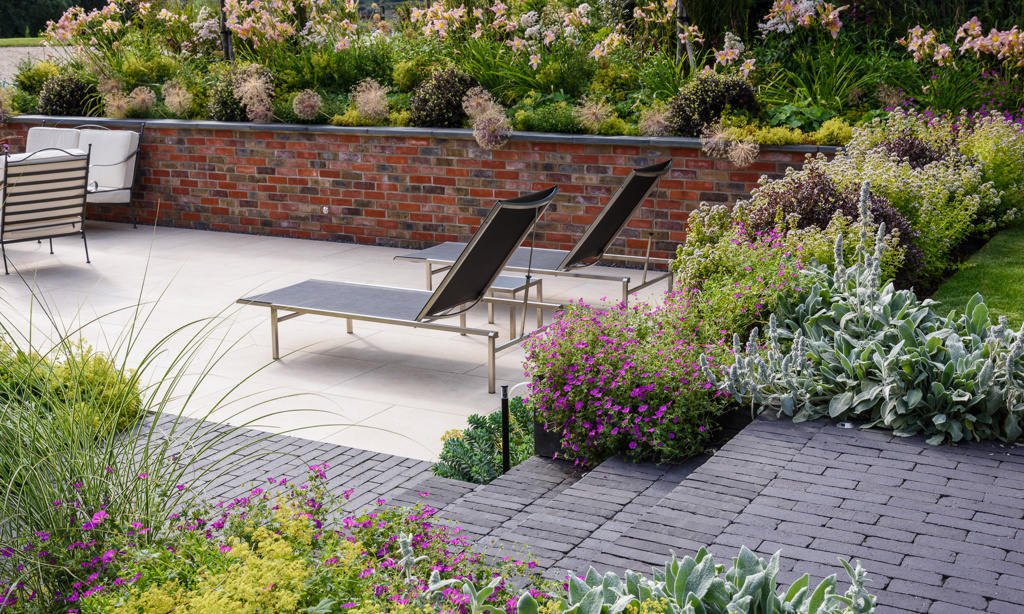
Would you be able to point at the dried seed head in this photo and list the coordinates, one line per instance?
(743, 153)
(655, 121)
(142, 99)
(371, 100)
(116, 105)
(477, 102)
(592, 113)
(307, 104)
(177, 98)
(715, 140)
(254, 88)
(492, 129)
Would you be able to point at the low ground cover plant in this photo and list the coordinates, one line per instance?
(474, 454)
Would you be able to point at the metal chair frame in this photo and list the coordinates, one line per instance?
(35, 183)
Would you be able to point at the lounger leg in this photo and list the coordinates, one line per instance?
(273, 334)
(490, 308)
(348, 325)
(462, 322)
(86, 244)
(430, 277)
(512, 321)
(4, 250)
(51, 247)
(540, 299)
(490, 363)
(625, 291)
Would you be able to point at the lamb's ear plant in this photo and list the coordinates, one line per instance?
(852, 349)
(697, 584)
(93, 446)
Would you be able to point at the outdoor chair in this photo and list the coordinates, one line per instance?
(42, 197)
(591, 249)
(115, 159)
(468, 280)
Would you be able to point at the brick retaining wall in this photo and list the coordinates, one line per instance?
(408, 187)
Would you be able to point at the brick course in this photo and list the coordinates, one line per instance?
(408, 188)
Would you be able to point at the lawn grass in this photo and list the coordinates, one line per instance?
(20, 42)
(997, 272)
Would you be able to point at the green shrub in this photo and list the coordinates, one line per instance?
(810, 198)
(866, 351)
(350, 117)
(31, 76)
(79, 383)
(474, 454)
(67, 95)
(437, 102)
(623, 381)
(833, 132)
(24, 102)
(998, 144)
(946, 201)
(553, 117)
(138, 70)
(800, 116)
(409, 75)
(615, 82)
(221, 103)
(704, 99)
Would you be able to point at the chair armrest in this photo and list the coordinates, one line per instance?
(130, 156)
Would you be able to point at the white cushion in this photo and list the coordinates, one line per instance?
(110, 147)
(43, 138)
(38, 155)
(101, 196)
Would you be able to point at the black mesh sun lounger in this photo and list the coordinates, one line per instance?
(466, 283)
(589, 250)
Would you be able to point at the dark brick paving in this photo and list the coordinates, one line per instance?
(939, 529)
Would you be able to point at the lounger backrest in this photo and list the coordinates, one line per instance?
(40, 138)
(487, 253)
(615, 215)
(43, 191)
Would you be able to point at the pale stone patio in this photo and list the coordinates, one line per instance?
(388, 389)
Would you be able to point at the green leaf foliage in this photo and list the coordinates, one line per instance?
(474, 455)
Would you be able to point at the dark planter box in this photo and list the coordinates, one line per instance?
(545, 444)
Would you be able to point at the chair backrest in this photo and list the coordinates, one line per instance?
(42, 137)
(113, 165)
(41, 190)
(487, 253)
(615, 215)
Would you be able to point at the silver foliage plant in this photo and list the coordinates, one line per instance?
(856, 350)
(696, 585)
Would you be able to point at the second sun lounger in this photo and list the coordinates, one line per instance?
(591, 249)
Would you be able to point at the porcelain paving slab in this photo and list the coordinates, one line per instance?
(420, 383)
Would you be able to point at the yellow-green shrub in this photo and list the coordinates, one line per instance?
(833, 132)
(30, 77)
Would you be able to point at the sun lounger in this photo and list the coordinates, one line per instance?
(42, 196)
(591, 249)
(468, 280)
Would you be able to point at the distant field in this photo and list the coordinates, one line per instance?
(20, 42)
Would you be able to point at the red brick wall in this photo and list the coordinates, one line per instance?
(409, 191)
